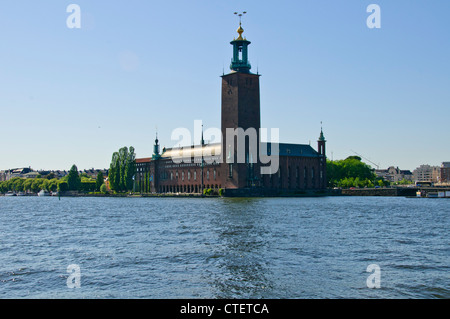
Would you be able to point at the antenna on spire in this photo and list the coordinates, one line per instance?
(240, 15)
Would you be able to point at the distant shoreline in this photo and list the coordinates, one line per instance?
(375, 192)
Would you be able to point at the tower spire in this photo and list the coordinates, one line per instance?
(156, 154)
(321, 137)
(239, 62)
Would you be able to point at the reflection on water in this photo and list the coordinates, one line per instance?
(243, 243)
(224, 248)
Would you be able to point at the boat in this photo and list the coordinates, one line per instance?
(432, 195)
(20, 194)
(43, 193)
(10, 194)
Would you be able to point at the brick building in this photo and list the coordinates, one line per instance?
(218, 165)
(445, 172)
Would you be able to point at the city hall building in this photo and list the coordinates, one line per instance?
(216, 166)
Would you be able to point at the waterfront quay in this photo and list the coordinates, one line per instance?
(399, 191)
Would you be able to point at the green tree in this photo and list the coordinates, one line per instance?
(17, 184)
(130, 168)
(103, 189)
(62, 186)
(36, 186)
(74, 179)
(344, 172)
(3, 187)
(122, 169)
(114, 172)
(27, 185)
(99, 181)
(53, 185)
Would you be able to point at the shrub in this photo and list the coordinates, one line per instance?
(63, 186)
(87, 186)
(103, 189)
(208, 191)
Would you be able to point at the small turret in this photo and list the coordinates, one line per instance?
(156, 154)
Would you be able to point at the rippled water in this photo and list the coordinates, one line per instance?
(224, 248)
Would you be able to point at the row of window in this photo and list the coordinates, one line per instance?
(188, 175)
(308, 181)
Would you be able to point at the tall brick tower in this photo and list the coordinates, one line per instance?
(322, 160)
(240, 110)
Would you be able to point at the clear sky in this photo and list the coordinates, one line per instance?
(74, 96)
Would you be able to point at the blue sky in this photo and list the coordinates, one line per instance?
(74, 96)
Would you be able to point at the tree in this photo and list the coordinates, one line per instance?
(99, 181)
(349, 172)
(63, 186)
(74, 179)
(27, 184)
(122, 169)
(114, 172)
(3, 188)
(37, 185)
(103, 189)
(53, 185)
(130, 169)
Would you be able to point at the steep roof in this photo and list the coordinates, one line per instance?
(286, 149)
(215, 149)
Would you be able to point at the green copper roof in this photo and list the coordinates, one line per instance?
(321, 137)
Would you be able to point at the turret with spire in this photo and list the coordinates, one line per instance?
(156, 154)
(240, 62)
(321, 142)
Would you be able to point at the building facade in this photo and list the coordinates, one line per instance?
(427, 173)
(235, 164)
(394, 174)
(445, 172)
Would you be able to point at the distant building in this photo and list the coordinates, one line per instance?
(31, 175)
(427, 173)
(94, 172)
(445, 172)
(8, 174)
(27, 172)
(394, 175)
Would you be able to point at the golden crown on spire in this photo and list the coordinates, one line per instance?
(240, 30)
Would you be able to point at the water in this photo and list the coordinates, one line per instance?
(224, 248)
